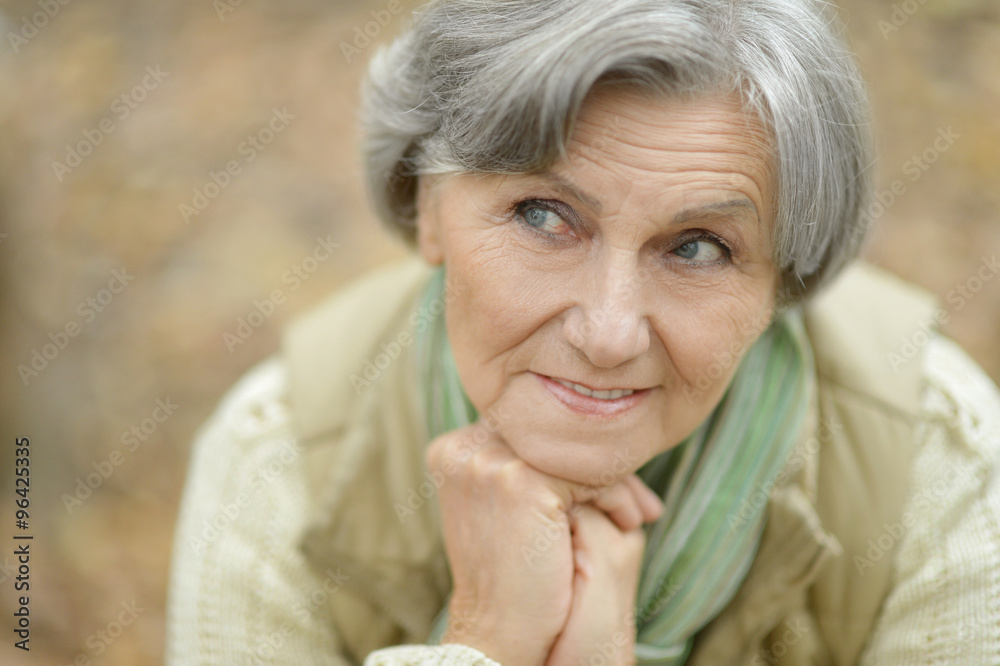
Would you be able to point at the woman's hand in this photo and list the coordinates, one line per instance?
(511, 550)
(602, 619)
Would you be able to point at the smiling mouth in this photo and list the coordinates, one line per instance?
(613, 394)
(607, 403)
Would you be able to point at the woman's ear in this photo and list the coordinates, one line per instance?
(429, 221)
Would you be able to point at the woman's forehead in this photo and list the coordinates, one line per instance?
(632, 121)
(671, 148)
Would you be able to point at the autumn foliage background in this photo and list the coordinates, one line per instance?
(224, 70)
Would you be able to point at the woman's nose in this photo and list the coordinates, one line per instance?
(609, 323)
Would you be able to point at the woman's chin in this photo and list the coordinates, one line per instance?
(589, 462)
(571, 446)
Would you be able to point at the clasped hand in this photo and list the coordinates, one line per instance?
(544, 570)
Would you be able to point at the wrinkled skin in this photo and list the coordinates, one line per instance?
(641, 262)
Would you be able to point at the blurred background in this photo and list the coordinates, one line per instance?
(165, 166)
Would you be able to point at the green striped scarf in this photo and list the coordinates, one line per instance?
(699, 551)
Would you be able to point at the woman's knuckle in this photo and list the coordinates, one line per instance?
(510, 474)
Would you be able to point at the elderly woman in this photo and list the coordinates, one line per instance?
(632, 404)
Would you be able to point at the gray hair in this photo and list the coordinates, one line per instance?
(495, 86)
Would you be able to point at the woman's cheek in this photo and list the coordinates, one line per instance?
(480, 333)
(707, 345)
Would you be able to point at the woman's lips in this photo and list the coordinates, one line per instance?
(590, 405)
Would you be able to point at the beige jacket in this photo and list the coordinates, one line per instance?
(309, 533)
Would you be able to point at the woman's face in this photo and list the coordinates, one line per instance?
(603, 306)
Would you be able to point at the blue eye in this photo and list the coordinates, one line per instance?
(543, 220)
(700, 251)
(536, 217)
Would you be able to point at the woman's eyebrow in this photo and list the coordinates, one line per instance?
(738, 207)
(560, 183)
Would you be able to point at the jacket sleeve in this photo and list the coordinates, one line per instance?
(944, 607)
(240, 590)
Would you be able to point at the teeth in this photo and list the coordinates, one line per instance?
(600, 395)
